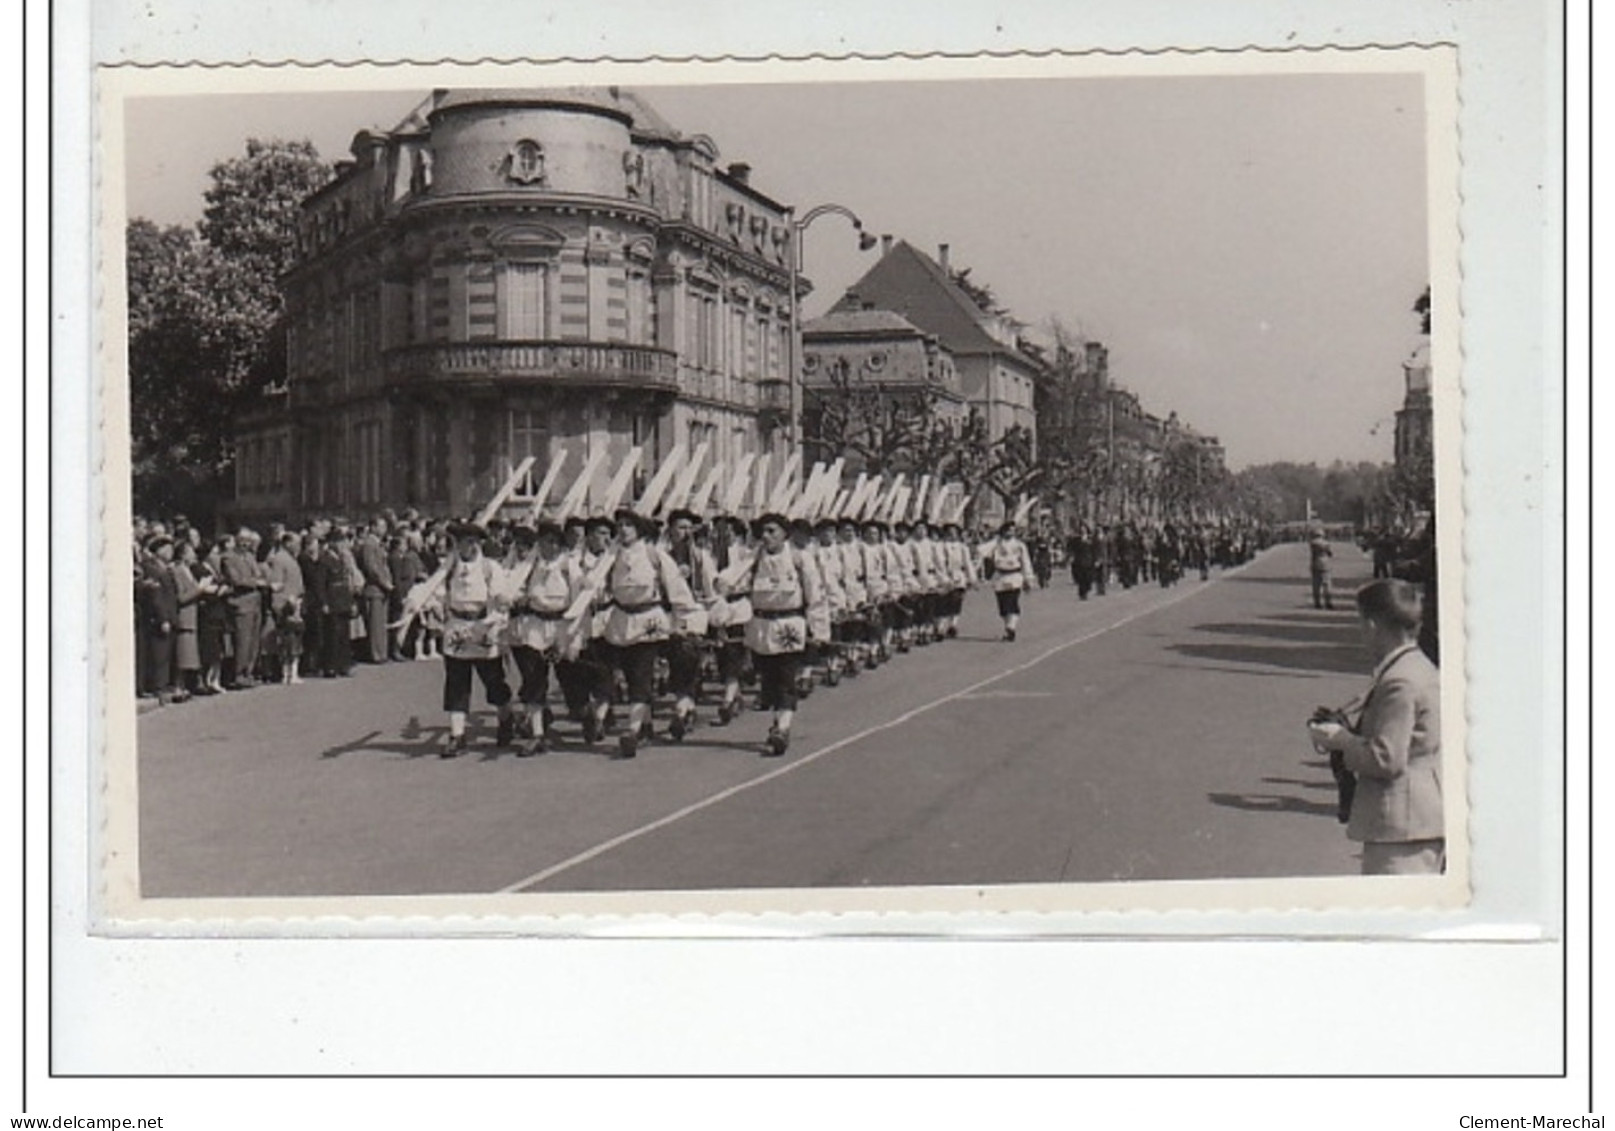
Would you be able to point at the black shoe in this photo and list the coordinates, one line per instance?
(506, 734)
(455, 747)
(591, 729)
(778, 740)
(681, 725)
(1009, 635)
(627, 747)
(726, 714)
(532, 747)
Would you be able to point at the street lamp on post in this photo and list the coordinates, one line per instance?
(798, 228)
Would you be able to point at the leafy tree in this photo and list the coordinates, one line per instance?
(205, 339)
(979, 293)
(1341, 492)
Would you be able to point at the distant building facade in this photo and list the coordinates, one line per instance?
(860, 359)
(1415, 437)
(995, 377)
(520, 272)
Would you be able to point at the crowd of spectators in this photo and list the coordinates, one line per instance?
(237, 610)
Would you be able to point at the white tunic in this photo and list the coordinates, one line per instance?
(645, 589)
(828, 561)
(787, 602)
(852, 574)
(876, 578)
(473, 609)
(540, 592)
(1008, 557)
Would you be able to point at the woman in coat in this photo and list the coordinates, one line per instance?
(187, 652)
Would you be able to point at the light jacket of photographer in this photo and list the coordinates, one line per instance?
(1396, 753)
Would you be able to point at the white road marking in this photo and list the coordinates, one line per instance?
(1010, 695)
(842, 743)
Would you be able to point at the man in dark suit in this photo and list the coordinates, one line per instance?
(159, 617)
(334, 601)
(1081, 550)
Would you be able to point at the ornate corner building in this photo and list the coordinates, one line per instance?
(520, 272)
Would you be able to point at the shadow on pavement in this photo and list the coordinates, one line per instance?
(1272, 803)
(1319, 658)
(415, 741)
(1329, 785)
(1315, 642)
(1231, 669)
(418, 741)
(1314, 633)
(1324, 618)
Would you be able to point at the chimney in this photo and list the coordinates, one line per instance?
(885, 246)
(942, 255)
(740, 172)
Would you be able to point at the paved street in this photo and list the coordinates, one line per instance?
(1151, 734)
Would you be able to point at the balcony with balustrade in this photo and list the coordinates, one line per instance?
(567, 364)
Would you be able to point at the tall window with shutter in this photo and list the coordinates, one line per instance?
(521, 305)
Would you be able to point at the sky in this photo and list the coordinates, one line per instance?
(1249, 248)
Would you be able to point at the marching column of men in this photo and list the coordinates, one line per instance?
(624, 608)
(667, 608)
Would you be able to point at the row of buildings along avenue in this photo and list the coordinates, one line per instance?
(523, 272)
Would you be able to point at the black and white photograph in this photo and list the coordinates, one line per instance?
(1018, 542)
(1024, 485)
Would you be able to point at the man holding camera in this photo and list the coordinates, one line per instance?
(1393, 752)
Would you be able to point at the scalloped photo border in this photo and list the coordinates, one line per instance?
(1287, 907)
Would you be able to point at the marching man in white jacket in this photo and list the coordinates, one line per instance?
(474, 610)
(1005, 560)
(645, 592)
(542, 581)
(788, 607)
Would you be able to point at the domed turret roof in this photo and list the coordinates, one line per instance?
(611, 100)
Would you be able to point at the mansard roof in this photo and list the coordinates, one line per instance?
(860, 323)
